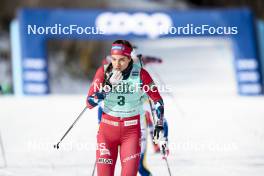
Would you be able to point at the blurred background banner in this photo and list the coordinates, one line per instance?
(260, 29)
(33, 28)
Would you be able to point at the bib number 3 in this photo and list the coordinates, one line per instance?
(121, 101)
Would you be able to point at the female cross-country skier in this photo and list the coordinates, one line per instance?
(146, 119)
(120, 85)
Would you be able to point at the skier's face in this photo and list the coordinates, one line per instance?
(120, 62)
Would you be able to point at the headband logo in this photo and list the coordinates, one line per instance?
(117, 48)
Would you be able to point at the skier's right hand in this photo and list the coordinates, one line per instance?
(99, 96)
(96, 98)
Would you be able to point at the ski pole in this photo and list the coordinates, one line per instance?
(3, 150)
(94, 168)
(152, 109)
(153, 116)
(165, 158)
(168, 167)
(57, 145)
(150, 103)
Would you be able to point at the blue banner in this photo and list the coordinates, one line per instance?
(39, 25)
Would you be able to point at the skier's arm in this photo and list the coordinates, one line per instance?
(153, 92)
(94, 94)
(160, 131)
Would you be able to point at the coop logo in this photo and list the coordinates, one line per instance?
(137, 23)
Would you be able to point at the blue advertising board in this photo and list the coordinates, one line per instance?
(36, 26)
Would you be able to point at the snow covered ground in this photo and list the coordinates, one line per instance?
(214, 136)
(212, 131)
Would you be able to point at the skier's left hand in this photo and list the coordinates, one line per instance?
(164, 148)
(158, 132)
(161, 139)
(159, 126)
